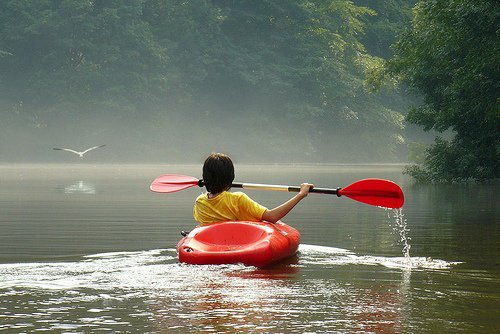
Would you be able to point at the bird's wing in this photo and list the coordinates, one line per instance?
(92, 148)
(66, 149)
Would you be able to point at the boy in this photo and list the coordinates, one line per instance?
(218, 204)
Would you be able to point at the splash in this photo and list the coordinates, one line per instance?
(312, 255)
(400, 228)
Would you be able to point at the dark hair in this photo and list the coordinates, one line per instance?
(218, 173)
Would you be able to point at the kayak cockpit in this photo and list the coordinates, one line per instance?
(233, 234)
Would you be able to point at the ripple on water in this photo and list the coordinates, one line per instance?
(151, 290)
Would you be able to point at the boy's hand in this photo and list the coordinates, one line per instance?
(304, 189)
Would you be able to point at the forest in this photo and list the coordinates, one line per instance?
(318, 81)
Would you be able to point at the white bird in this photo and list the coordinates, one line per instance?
(80, 154)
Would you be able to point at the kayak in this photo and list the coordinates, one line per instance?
(256, 244)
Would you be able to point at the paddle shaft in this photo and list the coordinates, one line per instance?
(284, 188)
(372, 191)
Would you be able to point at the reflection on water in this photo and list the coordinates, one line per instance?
(80, 187)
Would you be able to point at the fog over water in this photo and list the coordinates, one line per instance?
(175, 138)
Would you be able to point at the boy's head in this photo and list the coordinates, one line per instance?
(218, 173)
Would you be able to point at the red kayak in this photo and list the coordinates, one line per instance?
(256, 244)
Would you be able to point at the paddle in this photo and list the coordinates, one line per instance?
(376, 192)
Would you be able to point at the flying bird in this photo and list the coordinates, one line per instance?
(80, 154)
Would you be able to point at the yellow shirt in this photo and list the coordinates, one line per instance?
(226, 206)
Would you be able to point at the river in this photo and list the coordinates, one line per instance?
(88, 248)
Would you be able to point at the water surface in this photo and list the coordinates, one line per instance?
(88, 248)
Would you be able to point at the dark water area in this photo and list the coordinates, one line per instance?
(88, 248)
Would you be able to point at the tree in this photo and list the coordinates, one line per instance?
(381, 30)
(450, 55)
(78, 52)
(217, 65)
(303, 62)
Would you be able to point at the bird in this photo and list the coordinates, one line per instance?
(80, 154)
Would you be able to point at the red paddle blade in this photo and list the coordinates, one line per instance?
(376, 192)
(169, 183)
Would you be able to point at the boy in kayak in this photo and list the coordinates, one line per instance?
(218, 204)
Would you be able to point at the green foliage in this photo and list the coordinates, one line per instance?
(64, 53)
(416, 152)
(450, 162)
(273, 64)
(451, 55)
(392, 16)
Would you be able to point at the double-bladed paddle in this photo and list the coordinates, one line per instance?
(376, 192)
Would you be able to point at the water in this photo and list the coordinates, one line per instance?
(87, 248)
(401, 229)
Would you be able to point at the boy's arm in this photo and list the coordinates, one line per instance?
(282, 210)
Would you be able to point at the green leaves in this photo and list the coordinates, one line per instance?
(451, 55)
(280, 64)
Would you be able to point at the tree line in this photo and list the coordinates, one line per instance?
(269, 66)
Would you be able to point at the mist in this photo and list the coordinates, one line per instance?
(177, 138)
(171, 83)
